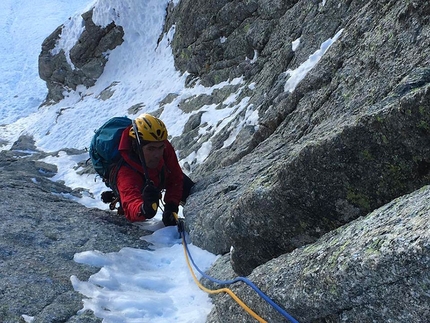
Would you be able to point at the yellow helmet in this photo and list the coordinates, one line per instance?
(149, 128)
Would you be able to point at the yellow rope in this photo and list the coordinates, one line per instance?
(221, 290)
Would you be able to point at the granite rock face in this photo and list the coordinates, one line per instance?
(374, 269)
(350, 137)
(83, 64)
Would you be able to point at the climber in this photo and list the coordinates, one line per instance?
(150, 155)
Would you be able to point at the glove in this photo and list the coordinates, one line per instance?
(150, 196)
(168, 217)
(108, 196)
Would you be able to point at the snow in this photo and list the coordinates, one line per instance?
(132, 285)
(23, 27)
(145, 286)
(298, 74)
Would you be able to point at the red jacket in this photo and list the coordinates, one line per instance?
(131, 178)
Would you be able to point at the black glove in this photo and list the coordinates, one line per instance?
(168, 217)
(150, 196)
(108, 196)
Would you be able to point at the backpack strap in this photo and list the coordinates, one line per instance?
(162, 178)
(113, 174)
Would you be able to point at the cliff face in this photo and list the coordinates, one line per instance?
(352, 136)
(304, 202)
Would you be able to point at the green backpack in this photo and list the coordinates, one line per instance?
(105, 156)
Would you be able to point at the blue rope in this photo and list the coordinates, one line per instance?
(243, 279)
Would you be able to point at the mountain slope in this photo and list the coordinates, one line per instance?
(322, 119)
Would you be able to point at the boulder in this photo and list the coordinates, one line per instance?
(374, 269)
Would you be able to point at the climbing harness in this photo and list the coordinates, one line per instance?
(188, 258)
